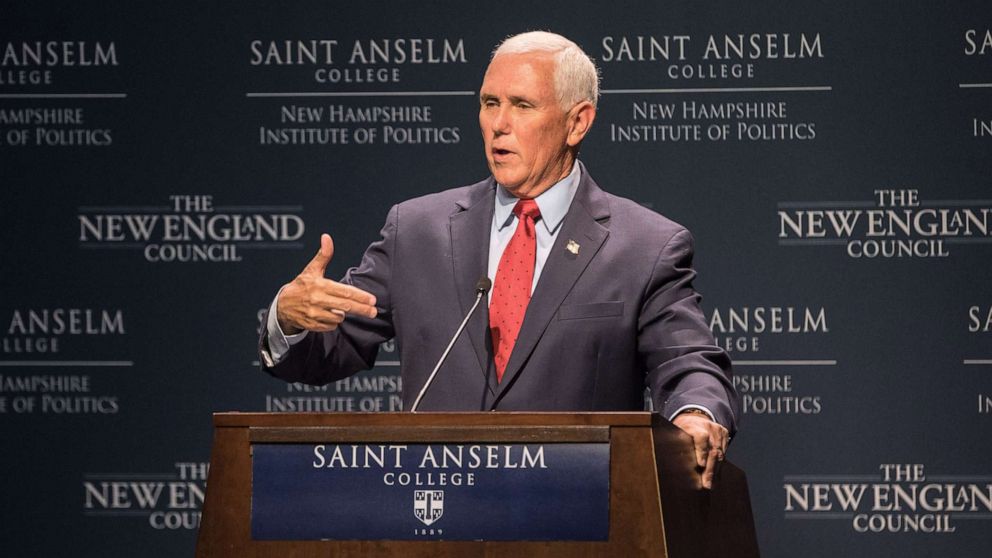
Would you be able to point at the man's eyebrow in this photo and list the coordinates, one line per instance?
(513, 99)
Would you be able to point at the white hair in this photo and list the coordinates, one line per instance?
(576, 76)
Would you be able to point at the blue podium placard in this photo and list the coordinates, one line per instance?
(535, 492)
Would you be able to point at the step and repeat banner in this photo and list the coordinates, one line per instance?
(166, 168)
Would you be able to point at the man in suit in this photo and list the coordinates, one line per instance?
(592, 297)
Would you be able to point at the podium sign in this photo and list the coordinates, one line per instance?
(402, 491)
(463, 485)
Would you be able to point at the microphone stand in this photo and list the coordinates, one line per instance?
(481, 288)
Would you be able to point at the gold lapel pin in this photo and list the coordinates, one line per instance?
(572, 247)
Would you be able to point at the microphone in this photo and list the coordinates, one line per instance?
(482, 287)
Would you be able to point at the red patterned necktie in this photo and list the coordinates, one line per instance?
(514, 277)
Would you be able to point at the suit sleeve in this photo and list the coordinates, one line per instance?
(684, 366)
(325, 357)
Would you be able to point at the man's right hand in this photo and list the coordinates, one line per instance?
(311, 302)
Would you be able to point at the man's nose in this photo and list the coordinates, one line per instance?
(501, 121)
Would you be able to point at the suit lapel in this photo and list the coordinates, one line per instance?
(470, 227)
(561, 270)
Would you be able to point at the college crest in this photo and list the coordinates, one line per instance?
(428, 505)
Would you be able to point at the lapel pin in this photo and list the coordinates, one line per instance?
(572, 247)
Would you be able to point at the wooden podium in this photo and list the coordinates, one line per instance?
(656, 507)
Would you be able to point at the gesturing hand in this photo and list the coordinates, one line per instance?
(311, 302)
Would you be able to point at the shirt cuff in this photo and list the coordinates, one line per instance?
(687, 407)
(279, 342)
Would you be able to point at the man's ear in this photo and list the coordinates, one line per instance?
(579, 122)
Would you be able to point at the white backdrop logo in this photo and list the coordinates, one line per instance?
(980, 323)
(771, 384)
(167, 501)
(739, 329)
(900, 499)
(977, 42)
(980, 319)
(898, 223)
(67, 70)
(60, 338)
(715, 56)
(46, 330)
(35, 62)
(672, 100)
(362, 61)
(363, 75)
(191, 228)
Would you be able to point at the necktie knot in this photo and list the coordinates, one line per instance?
(527, 208)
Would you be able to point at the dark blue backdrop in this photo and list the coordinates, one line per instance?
(804, 144)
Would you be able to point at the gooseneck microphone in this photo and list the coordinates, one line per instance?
(482, 287)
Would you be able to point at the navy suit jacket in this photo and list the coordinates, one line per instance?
(602, 324)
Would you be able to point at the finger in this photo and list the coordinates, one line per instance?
(319, 319)
(359, 301)
(711, 459)
(343, 306)
(323, 321)
(323, 300)
(701, 445)
(350, 292)
(318, 264)
(718, 439)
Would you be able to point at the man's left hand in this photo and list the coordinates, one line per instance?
(709, 441)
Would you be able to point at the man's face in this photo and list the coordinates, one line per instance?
(524, 129)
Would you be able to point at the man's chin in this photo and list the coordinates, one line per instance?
(505, 179)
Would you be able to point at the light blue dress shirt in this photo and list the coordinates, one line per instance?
(553, 203)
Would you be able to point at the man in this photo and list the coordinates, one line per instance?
(592, 296)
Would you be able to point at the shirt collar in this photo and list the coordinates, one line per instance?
(553, 202)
